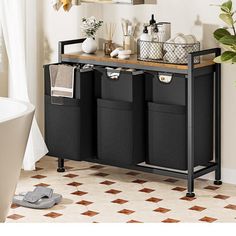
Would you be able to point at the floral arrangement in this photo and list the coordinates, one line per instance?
(226, 36)
(90, 26)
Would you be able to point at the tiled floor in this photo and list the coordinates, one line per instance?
(96, 193)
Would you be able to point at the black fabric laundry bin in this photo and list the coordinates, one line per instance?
(70, 122)
(124, 87)
(120, 135)
(173, 92)
(167, 138)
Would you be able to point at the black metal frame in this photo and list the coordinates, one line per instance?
(190, 175)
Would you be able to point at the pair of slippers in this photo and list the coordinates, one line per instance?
(39, 198)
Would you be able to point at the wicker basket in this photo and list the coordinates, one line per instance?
(170, 53)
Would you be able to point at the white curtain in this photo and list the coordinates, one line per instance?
(13, 19)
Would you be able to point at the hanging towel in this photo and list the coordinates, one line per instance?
(62, 80)
(56, 4)
(67, 4)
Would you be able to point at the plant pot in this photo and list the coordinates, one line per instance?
(89, 45)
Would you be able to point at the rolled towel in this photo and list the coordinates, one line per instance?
(156, 51)
(56, 4)
(181, 52)
(180, 39)
(170, 57)
(169, 45)
(191, 39)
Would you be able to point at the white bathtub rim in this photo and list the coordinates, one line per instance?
(29, 108)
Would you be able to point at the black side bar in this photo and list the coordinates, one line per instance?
(62, 44)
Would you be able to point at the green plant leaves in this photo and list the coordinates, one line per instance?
(234, 59)
(220, 33)
(227, 6)
(227, 18)
(228, 40)
(228, 55)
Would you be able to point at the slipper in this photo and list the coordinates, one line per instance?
(40, 198)
(40, 204)
(38, 193)
(55, 196)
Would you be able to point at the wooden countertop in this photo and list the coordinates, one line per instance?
(100, 57)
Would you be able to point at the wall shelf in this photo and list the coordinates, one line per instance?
(127, 2)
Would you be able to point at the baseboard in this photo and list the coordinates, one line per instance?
(228, 176)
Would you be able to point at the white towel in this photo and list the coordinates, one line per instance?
(169, 45)
(170, 57)
(180, 39)
(56, 4)
(181, 52)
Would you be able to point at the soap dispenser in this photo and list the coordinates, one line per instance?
(145, 40)
(152, 23)
(156, 48)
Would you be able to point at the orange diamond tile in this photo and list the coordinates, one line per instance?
(97, 167)
(113, 191)
(90, 213)
(79, 193)
(70, 176)
(154, 199)
(126, 212)
(38, 176)
(197, 208)
(208, 219)
(84, 203)
(211, 187)
(139, 181)
(188, 198)
(53, 215)
(170, 180)
(42, 185)
(132, 173)
(179, 189)
(74, 184)
(134, 221)
(169, 220)
(231, 207)
(119, 201)
(14, 206)
(222, 197)
(107, 182)
(161, 210)
(100, 174)
(15, 217)
(146, 190)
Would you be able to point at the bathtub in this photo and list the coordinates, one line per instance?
(15, 123)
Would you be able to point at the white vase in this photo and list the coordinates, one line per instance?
(89, 45)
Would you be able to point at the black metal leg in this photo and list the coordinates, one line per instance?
(61, 167)
(190, 127)
(218, 122)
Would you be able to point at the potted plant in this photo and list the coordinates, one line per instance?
(89, 28)
(226, 36)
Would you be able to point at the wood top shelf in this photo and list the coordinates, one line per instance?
(100, 58)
